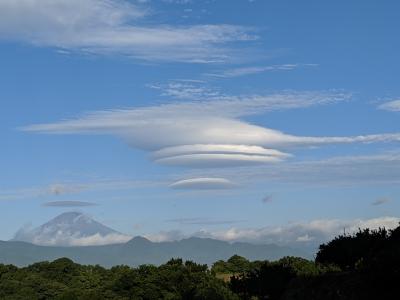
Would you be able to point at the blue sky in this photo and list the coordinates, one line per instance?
(111, 102)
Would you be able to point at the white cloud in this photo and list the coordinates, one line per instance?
(203, 184)
(67, 239)
(218, 102)
(113, 27)
(393, 105)
(243, 71)
(296, 233)
(93, 240)
(210, 155)
(187, 89)
(208, 133)
(165, 236)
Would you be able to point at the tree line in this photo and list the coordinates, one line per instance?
(364, 265)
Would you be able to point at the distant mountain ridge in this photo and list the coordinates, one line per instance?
(142, 251)
(73, 234)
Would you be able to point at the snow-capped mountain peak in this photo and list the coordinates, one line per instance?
(71, 229)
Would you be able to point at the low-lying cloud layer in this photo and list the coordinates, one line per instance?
(296, 233)
(61, 239)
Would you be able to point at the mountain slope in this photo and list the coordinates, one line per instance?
(71, 229)
(142, 251)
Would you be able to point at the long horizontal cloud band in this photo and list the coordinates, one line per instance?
(206, 133)
(203, 184)
(115, 27)
(216, 155)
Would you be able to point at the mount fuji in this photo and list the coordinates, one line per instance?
(77, 236)
(71, 229)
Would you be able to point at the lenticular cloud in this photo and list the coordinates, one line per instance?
(203, 184)
(211, 155)
(203, 134)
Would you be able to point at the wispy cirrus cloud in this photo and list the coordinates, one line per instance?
(243, 71)
(115, 27)
(393, 105)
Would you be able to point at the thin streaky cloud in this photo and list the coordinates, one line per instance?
(69, 204)
(393, 105)
(243, 71)
(111, 27)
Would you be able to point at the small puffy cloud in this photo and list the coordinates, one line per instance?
(68, 204)
(380, 201)
(203, 184)
(393, 105)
